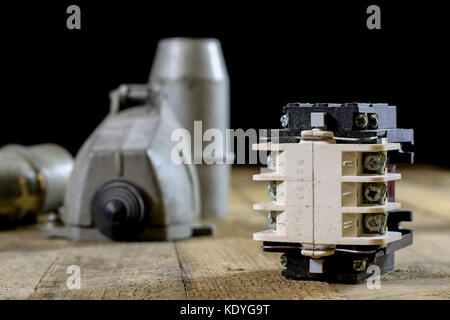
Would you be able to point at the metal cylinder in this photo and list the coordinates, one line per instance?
(32, 179)
(192, 75)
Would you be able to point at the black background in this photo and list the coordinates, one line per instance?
(56, 81)
(170, 309)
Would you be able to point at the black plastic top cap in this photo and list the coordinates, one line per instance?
(115, 211)
(119, 209)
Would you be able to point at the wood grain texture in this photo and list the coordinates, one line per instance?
(235, 268)
(25, 256)
(229, 265)
(115, 271)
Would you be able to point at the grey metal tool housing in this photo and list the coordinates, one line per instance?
(124, 185)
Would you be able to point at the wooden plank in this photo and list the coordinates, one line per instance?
(236, 268)
(25, 255)
(418, 289)
(422, 271)
(230, 265)
(115, 271)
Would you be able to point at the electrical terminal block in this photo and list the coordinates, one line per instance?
(332, 210)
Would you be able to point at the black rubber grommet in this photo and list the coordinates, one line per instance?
(119, 209)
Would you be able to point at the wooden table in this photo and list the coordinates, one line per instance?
(230, 265)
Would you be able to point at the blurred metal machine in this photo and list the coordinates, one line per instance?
(192, 73)
(32, 181)
(124, 185)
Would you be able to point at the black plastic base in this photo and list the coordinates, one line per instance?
(349, 263)
(337, 268)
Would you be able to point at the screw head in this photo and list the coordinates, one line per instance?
(272, 190)
(375, 192)
(361, 121)
(284, 120)
(271, 161)
(373, 223)
(359, 265)
(272, 220)
(374, 162)
(373, 121)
